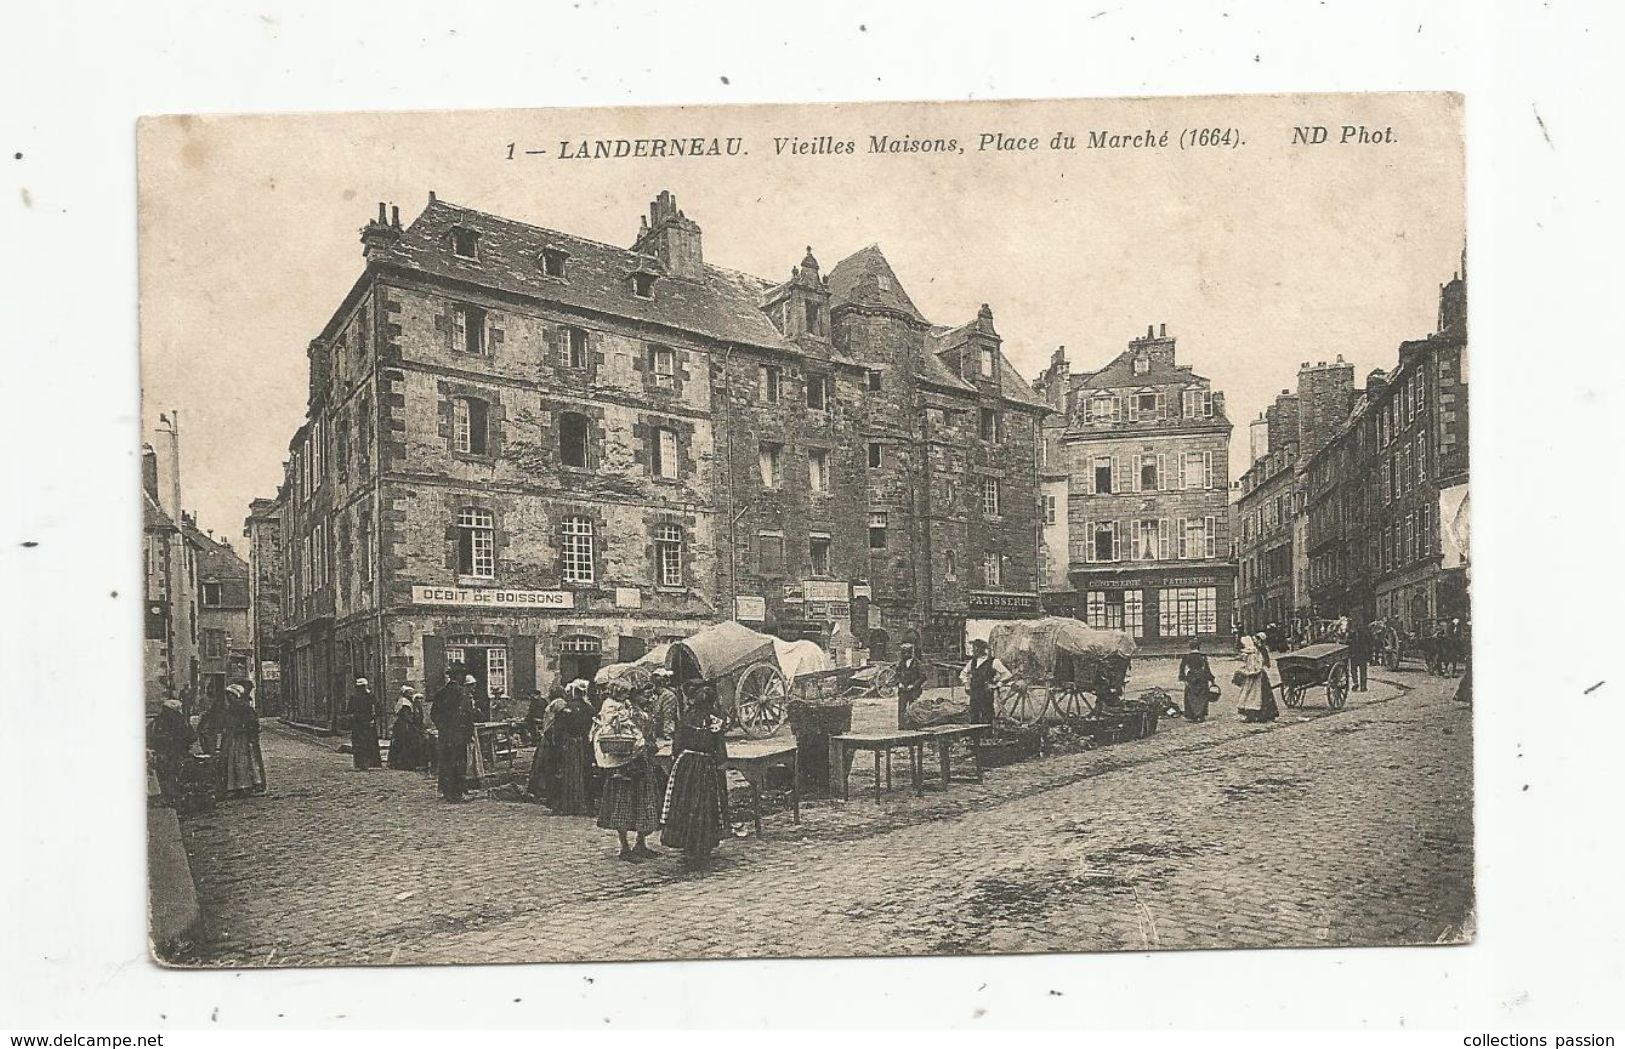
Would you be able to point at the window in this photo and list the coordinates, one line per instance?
(1105, 408)
(1196, 538)
(476, 544)
(818, 470)
(771, 462)
(990, 496)
(643, 285)
(1142, 364)
(669, 555)
(1049, 509)
(663, 366)
(1145, 404)
(1198, 470)
(990, 361)
(1116, 610)
(1150, 473)
(577, 549)
(211, 595)
(990, 424)
(214, 644)
(468, 425)
(662, 452)
(1198, 404)
(875, 378)
(363, 542)
(815, 318)
(877, 531)
(574, 440)
(1103, 543)
(1150, 539)
(575, 347)
(1421, 457)
(820, 392)
(465, 243)
(770, 553)
(769, 380)
(553, 261)
(467, 329)
(818, 554)
(876, 455)
(1103, 475)
(1188, 610)
(949, 565)
(990, 570)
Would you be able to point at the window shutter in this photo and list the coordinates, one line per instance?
(1162, 539)
(1135, 540)
(1089, 477)
(1117, 409)
(1182, 543)
(1162, 472)
(1162, 405)
(1117, 540)
(1088, 540)
(1118, 481)
(1207, 468)
(1207, 403)
(1211, 531)
(1133, 409)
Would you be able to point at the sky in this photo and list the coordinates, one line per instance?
(1258, 256)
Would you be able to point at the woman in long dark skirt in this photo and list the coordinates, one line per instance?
(563, 756)
(406, 738)
(695, 813)
(1198, 678)
(623, 748)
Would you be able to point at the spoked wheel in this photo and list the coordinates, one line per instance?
(1071, 704)
(1021, 704)
(886, 682)
(1337, 686)
(761, 701)
(1292, 696)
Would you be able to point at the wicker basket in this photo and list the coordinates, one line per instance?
(617, 746)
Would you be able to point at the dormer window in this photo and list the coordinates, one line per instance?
(643, 285)
(1142, 364)
(553, 262)
(815, 318)
(465, 243)
(990, 361)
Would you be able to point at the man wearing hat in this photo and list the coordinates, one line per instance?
(980, 677)
(364, 728)
(910, 680)
(453, 716)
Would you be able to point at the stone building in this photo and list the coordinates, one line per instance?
(535, 453)
(169, 569)
(263, 530)
(225, 647)
(1143, 447)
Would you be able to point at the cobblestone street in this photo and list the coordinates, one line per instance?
(1321, 829)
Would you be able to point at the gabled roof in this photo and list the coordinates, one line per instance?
(865, 279)
(1119, 373)
(152, 514)
(724, 304)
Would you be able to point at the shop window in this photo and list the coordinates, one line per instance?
(574, 440)
(669, 555)
(476, 544)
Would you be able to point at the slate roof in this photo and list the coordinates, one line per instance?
(725, 304)
(152, 514)
(865, 278)
(1119, 373)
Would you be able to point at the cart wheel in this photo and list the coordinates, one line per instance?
(761, 701)
(1337, 686)
(1072, 705)
(886, 682)
(1293, 696)
(1019, 706)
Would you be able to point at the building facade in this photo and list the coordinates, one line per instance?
(1144, 450)
(536, 454)
(225, 647)
(169, 568)
(263, 530)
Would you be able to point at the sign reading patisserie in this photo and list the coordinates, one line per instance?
(458, 595)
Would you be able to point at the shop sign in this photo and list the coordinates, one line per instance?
(457, 595)
(825, 590)
(792, 591)
(1002, 601)
(628, 597)
(749, 608)
(862, 590)
(270, 670)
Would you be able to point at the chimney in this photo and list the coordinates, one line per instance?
(1163, 332)
(671, 237)
(1150, 331)
(381, 234)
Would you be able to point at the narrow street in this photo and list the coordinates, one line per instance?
(1321, 829)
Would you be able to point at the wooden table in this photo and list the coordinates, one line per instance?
(751, 758)
(945, 736)
(878, 743)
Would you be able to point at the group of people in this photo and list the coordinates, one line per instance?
(227, 736)
(1256, 700)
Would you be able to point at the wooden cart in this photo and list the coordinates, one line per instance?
(1315, 665)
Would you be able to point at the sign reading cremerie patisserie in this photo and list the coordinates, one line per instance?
(457, 595)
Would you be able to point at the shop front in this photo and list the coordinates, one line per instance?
(1160, 607)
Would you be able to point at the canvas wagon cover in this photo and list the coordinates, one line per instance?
(800, 657)
(721, 650)
(1029, 648)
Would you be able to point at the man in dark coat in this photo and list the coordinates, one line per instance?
(169, 737)
(910, 681)
(364, 728)
(980, 677)
(1359, 654)
(453, 714)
